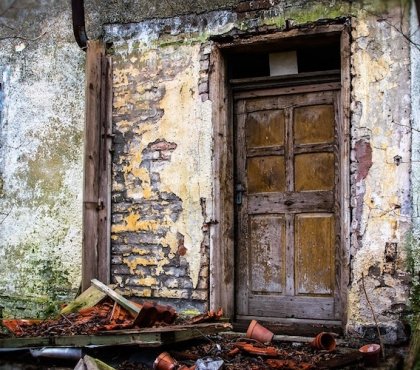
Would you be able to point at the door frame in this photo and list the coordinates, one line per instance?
(222, 232)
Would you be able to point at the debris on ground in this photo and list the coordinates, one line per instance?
(101, 313)
(109, 312)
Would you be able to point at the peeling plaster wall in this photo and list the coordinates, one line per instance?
(380, 180)
(162, 159)
(41, 141)
(162, 172)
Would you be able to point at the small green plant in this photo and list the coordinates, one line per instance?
(413, 266)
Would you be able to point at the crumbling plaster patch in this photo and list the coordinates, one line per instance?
(380, 188)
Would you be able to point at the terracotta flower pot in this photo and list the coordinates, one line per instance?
(371, 354)
(324, 341)
(165, 362)
(259, 332)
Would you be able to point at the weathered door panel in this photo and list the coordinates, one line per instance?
(314, 254)
(288, 216)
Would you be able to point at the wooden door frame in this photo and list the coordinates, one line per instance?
(222, 233)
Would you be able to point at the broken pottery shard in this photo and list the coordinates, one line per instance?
(207, 317)
(288, 364)
(258, 350)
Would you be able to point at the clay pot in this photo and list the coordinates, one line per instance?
(324, 341)
(165, 362)
(371, 354)
(259, 332)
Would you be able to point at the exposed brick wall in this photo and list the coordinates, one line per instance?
(152, 255)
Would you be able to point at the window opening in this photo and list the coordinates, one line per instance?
(315, 55)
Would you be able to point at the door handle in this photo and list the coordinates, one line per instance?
(239, 190)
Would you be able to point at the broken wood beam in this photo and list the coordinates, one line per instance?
(89, 298)
(145, 338)
(128, 305)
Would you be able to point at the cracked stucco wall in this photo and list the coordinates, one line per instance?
(380, 174)
(41, 141)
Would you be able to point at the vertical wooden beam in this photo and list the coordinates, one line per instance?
(104, 172)
(222, 231)
(344, 128)
(95, 256)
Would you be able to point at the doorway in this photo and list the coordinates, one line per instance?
(281, 238)
(287, 203)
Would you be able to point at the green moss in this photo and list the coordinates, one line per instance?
(318, 11)
(412, 247)
(28, 307)
(40, 277)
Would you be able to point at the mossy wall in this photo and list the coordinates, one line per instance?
(41, 142)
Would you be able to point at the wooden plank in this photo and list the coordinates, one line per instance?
(89, 298)
(344, 168)
(301, 79)
(207, 327)
(314, 254)
(258, 152)
(130, 306)
(96, 192)
(290, 326)
(193, 332)
(267, 259)
(222, 264)
(288, 90)
(95, 364)
(150, 337)
(290, 202)
(104, 173)
(313, 148)
(242, 246)
(350, 358)
(291, 307)
(95, 51)
(277, 38)
(290, 240)
(143, 340)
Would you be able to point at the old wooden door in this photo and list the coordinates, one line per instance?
(288, 208)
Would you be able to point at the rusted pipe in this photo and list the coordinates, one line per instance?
(78, 16)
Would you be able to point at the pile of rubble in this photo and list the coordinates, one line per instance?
(101, 312)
